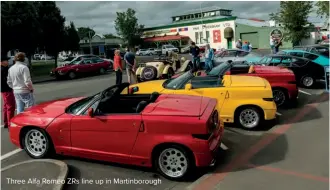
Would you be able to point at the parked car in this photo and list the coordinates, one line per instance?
(244, 100)
(318, 49)
(142, 52)
(148, 130)
(65, 61)
(151, 51)
(235, 55)
(81, 67)
(161, 68)
(316, 58)
(37, 56)
(167, 49)
(282, 80)
(87, 56)
(46, 57)
(307, 72)
(158, 51)
(185, 49)
(325, 42)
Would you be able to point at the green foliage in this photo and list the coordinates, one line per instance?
(71, 38)
(323, 8)
(110, 36)
(127, 27)
(85, 32)
(293, 16)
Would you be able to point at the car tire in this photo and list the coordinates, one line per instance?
(249, 117)
(307, 81)
(37, 143)
(280, 96)
(149, 73)
(174, 162)
(102, 71)
(72, 75)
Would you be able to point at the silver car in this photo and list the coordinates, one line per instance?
(141, 52)
(151, 51)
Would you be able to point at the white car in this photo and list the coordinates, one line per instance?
(151, 51)
(142, 52)
(46, 57)
(166, 49)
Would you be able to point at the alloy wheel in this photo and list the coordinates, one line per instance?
(279, 97)
(36, 142)
(173, 163)
(249, 118)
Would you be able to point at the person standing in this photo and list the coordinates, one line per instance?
(130, 60)
(250, 46)
(19, 79)
(245, 46)
(117, 66)
(278, 43)
(239, 44)
(195, 51)
(272, 45)
(209, 54)
(7, 94)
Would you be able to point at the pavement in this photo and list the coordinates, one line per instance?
(292, 153)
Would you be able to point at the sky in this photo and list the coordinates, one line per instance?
(100, 15)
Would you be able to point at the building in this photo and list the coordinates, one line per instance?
(213, 25)
(100, 45)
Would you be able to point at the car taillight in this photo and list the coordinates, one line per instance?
(213, 122)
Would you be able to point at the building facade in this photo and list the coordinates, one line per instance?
(99, 45)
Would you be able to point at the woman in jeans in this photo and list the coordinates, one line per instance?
(117, 66)
(209, 54)
(19, 79)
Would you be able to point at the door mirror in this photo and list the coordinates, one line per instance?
(90, 112)
(188, 87)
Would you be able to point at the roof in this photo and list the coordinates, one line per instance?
(165, 38)
(251, 22)
(203, 10)
(192, 22)
(99, 35)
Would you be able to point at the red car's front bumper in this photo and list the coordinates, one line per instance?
(14, 131)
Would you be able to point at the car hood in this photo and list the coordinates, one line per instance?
(167, 105)
(243, 81)
(149, 87)
(272, 69)
(43, 114)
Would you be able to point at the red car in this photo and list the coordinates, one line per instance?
(81, 67)
(282, 80)
(173, 133)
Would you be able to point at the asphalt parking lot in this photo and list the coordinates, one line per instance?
(291, 153)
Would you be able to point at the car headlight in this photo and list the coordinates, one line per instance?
(13, 124)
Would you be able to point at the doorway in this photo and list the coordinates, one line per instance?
(229, 43)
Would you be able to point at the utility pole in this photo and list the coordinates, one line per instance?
(90, 43)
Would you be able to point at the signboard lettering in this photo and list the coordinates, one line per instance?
(216, 36)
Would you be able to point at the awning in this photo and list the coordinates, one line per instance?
(165, 38)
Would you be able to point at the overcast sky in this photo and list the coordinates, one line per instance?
(101, 15)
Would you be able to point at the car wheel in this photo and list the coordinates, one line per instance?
(307, 81)
(280, 96)
(36, 143)
(102, 71)
(72, 75)
(248, 117)
(149, 73)
(174, 162)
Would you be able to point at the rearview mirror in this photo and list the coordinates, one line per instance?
(90, 112)
(188, 87)
(133, 89)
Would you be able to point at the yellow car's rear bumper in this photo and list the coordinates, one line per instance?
(270, 114)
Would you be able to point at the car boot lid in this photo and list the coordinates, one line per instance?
(244, 81)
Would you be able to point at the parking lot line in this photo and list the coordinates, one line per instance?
(277, 113)
(287, 172)
(9, 154)
(301, 91)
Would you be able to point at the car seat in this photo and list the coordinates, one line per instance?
(251, 69)
(154, 97)
(141, 106)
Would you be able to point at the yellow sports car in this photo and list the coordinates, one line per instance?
(244, 100)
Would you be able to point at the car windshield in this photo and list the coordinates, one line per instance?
(77, 106)
(178, 82)
(219, 70)
(69, 59)
(169, 46)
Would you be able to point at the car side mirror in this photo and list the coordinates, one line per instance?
(188, 87)
(90, 112)
(133, 89)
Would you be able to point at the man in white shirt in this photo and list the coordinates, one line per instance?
(19, 79)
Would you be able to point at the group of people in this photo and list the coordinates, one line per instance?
(130, 62)
(275, 44)
(16, 87)
(246, 46)
(209, 56)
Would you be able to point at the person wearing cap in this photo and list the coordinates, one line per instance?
(6, 93)
(19, 79)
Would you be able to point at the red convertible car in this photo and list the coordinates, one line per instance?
(173, 133)
(282, 80)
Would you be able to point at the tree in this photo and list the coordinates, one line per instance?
(109, 36)
(323, 8)
(293, 16)
(85, 32)
(52, 24)
(20, 28)
(127, 27)
(71, 38)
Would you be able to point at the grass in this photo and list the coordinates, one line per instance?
(41, 68)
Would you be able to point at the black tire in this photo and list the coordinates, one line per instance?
(149, 73)
(49, 148)
(72, 75)
(241, 112)
(102, 71)
(281, 97)
(184, 156)
(307, 81)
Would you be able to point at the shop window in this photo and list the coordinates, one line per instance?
(196, 37)
(207, 36)
(177, 18)
(199, 15)
(201, 37)
(217, 13)
(212, 13)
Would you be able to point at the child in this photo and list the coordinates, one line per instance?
(118, 68)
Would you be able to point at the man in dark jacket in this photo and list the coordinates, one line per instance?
(194, 51)
(7, 94)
